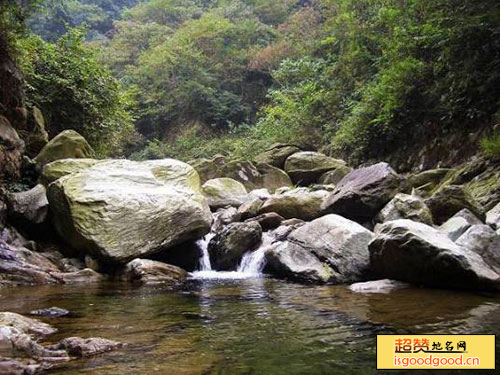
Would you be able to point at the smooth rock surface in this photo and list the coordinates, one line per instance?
(361, 194)
(329, 249)
(301, 205)
(222, 192)
(60, 168)
(417, 253)
(276, 155)
(378, 286)
(118, 210)
(29, 207)
(484, 241)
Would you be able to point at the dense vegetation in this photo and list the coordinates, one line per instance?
(355, 78)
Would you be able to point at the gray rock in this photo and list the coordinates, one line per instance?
(404, 206)
(417, 253)
(484, 241)
(152, 272)
(430, 178)
(227, 247)
(119, 210)
(362, 193)
(222, 192)
(30, 207)
(259, 193)
(493, 217)
(85, 276)
(329, 249)
(307, 167)
(378, 286)
(455, 226)
(26, 325)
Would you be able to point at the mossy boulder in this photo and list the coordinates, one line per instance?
(334, 176)
(118, 210)
(221, 192)
(427, 180)
(450, 199)
(303, 205)
(306, 167)
(59, 168)
(276, 155)
(66, 145)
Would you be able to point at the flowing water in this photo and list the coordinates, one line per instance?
(250, 326)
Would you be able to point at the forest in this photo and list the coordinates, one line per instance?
(357, 79)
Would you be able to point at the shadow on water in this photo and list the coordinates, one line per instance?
(253, 326)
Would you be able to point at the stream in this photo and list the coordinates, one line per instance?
(248, 325)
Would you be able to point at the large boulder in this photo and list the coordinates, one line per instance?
(276, 155)
(404, 206)
(450, 199)
(409, 251)
(483, 240)
(152, 272)
(329, 249)
(227, 247)
(307, 167)
(119, 210)
(66, 145)
(250, 208)
(60, 168)
(362, 193)
(222, 192)
(301, 205)
(208, 169)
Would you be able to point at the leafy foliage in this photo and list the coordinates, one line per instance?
(74, 91)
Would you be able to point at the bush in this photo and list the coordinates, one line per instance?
(491, 145)
(74, 91)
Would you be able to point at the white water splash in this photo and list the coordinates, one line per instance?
(205, 258)
(251, 266)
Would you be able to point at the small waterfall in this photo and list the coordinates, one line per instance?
(253, 262)
(205, 258)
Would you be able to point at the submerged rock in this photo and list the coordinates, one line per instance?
(26, 325)
(307, 167)
(329, 249)
(227, 247)
(79, 347)
(152, 272)
(118, 210)
(362, 193)
(50, 312)
(378, 286)
(417, 253)
(66, 145)
(222, 192)
(404, 206)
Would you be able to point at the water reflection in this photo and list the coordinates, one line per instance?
(254, 326)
